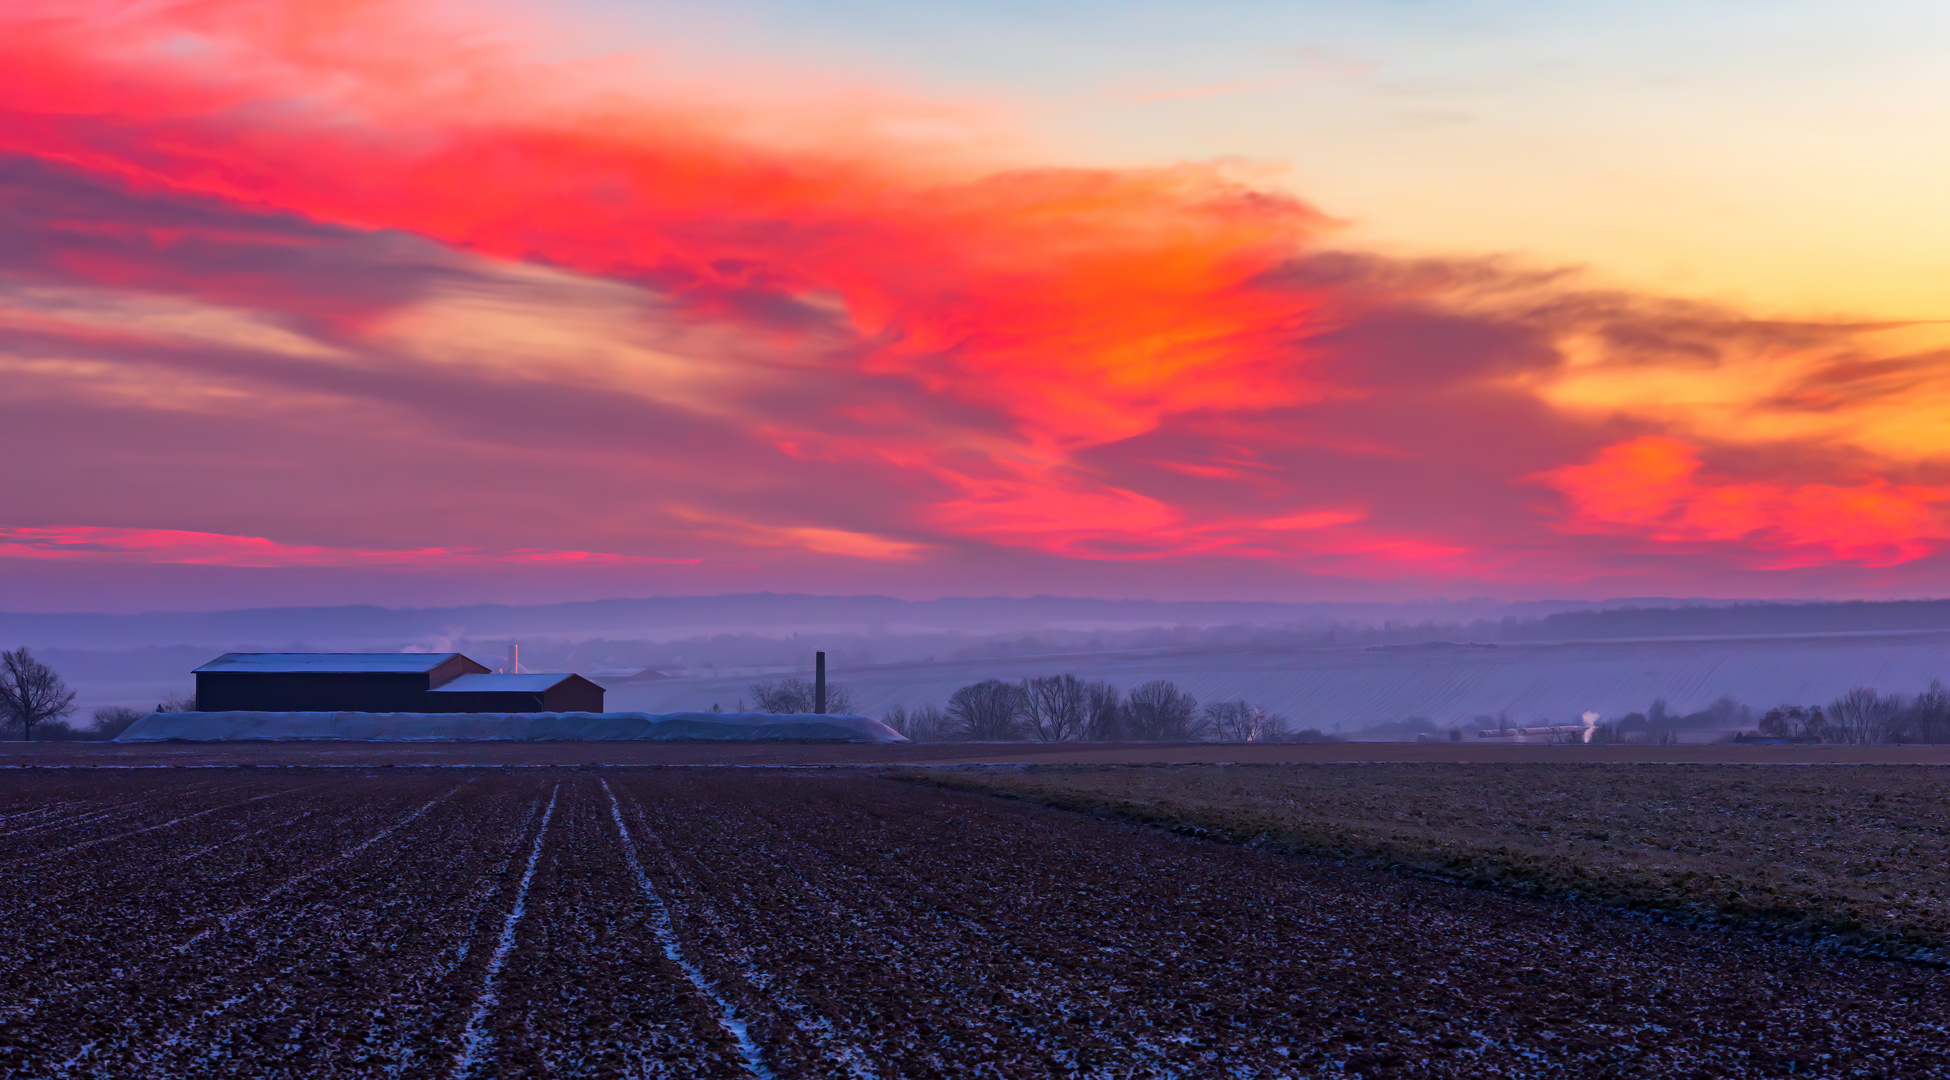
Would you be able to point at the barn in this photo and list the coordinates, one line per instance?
(516, 693)
(381, 683)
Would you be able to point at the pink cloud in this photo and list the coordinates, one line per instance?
(72, 543)
(1657, 488)
(313, 270)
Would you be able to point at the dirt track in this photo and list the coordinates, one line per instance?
(431, 923)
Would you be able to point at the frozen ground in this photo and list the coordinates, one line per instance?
(771, 923)
(504, 727)
(1350, 688)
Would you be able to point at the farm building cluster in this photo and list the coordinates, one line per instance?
(383, 683)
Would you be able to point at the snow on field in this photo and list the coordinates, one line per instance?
(1349, 688)
(504, 727)
(475, 1038)
(673, 949)
(934, 933)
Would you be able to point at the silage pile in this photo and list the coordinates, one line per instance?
(505, 727)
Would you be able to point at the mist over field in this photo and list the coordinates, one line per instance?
(1340, 668)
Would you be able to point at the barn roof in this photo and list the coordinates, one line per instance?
(525, 683)
(329, 663)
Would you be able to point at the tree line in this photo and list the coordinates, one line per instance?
(1860, 717)
(1064, 708)
(1863, 717)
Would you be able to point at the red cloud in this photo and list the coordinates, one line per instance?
(1653, 487)
(753, 348)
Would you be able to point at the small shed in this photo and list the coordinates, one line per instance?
(516, 694)
(326, 682)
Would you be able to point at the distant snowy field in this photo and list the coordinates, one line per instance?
(1351, 688)
(502, 727)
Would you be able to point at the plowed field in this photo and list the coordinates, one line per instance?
(707, 923)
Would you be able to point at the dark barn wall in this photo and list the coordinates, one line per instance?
(573, 694)
(312, 691)
(512, 701)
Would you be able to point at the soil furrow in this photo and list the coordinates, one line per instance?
(474, 1039)
(731, 923)
(666, 927)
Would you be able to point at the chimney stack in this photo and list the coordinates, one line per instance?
(514, 658)
(819, 683)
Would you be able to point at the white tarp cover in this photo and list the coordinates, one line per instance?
(505, 727)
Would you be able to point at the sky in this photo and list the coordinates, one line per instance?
(409, 301)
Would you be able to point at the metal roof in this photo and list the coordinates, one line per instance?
(484, 684)
(329, 663)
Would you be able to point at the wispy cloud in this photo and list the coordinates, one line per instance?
(73, 543)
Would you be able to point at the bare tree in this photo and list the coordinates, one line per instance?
(1727, 712)
(1057, 707)
(1272, 725)
(925, 724)
(113, 720)
(990, 710)
(1781, 721)
(31, 693)
(1928, 717)
(1159, 711)
(1816, 725)
(1104, 708)
(177, 701)
(1229, 721)
(1659, 719)
(928, 724)
(1793, 721)
(797, 696)
(1861, 716)
(1237, 721)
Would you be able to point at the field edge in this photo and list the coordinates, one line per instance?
(1477, 869)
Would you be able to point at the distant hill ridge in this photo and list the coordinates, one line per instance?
(775, 613)
(783, 615)
(1854, 616)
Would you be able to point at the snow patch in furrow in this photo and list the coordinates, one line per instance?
(75, 806)
(181, 1036)
(83, 814)
(225, 922)
(202, 851)
(411, 1043)
(153, 828)
(822, 1030)
(474, 1039)
(191, 857)
(667, 934)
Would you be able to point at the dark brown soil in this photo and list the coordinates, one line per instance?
(1848, 856)
(431, 923)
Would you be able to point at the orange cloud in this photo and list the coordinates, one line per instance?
(1653, 487)
(331, 262)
